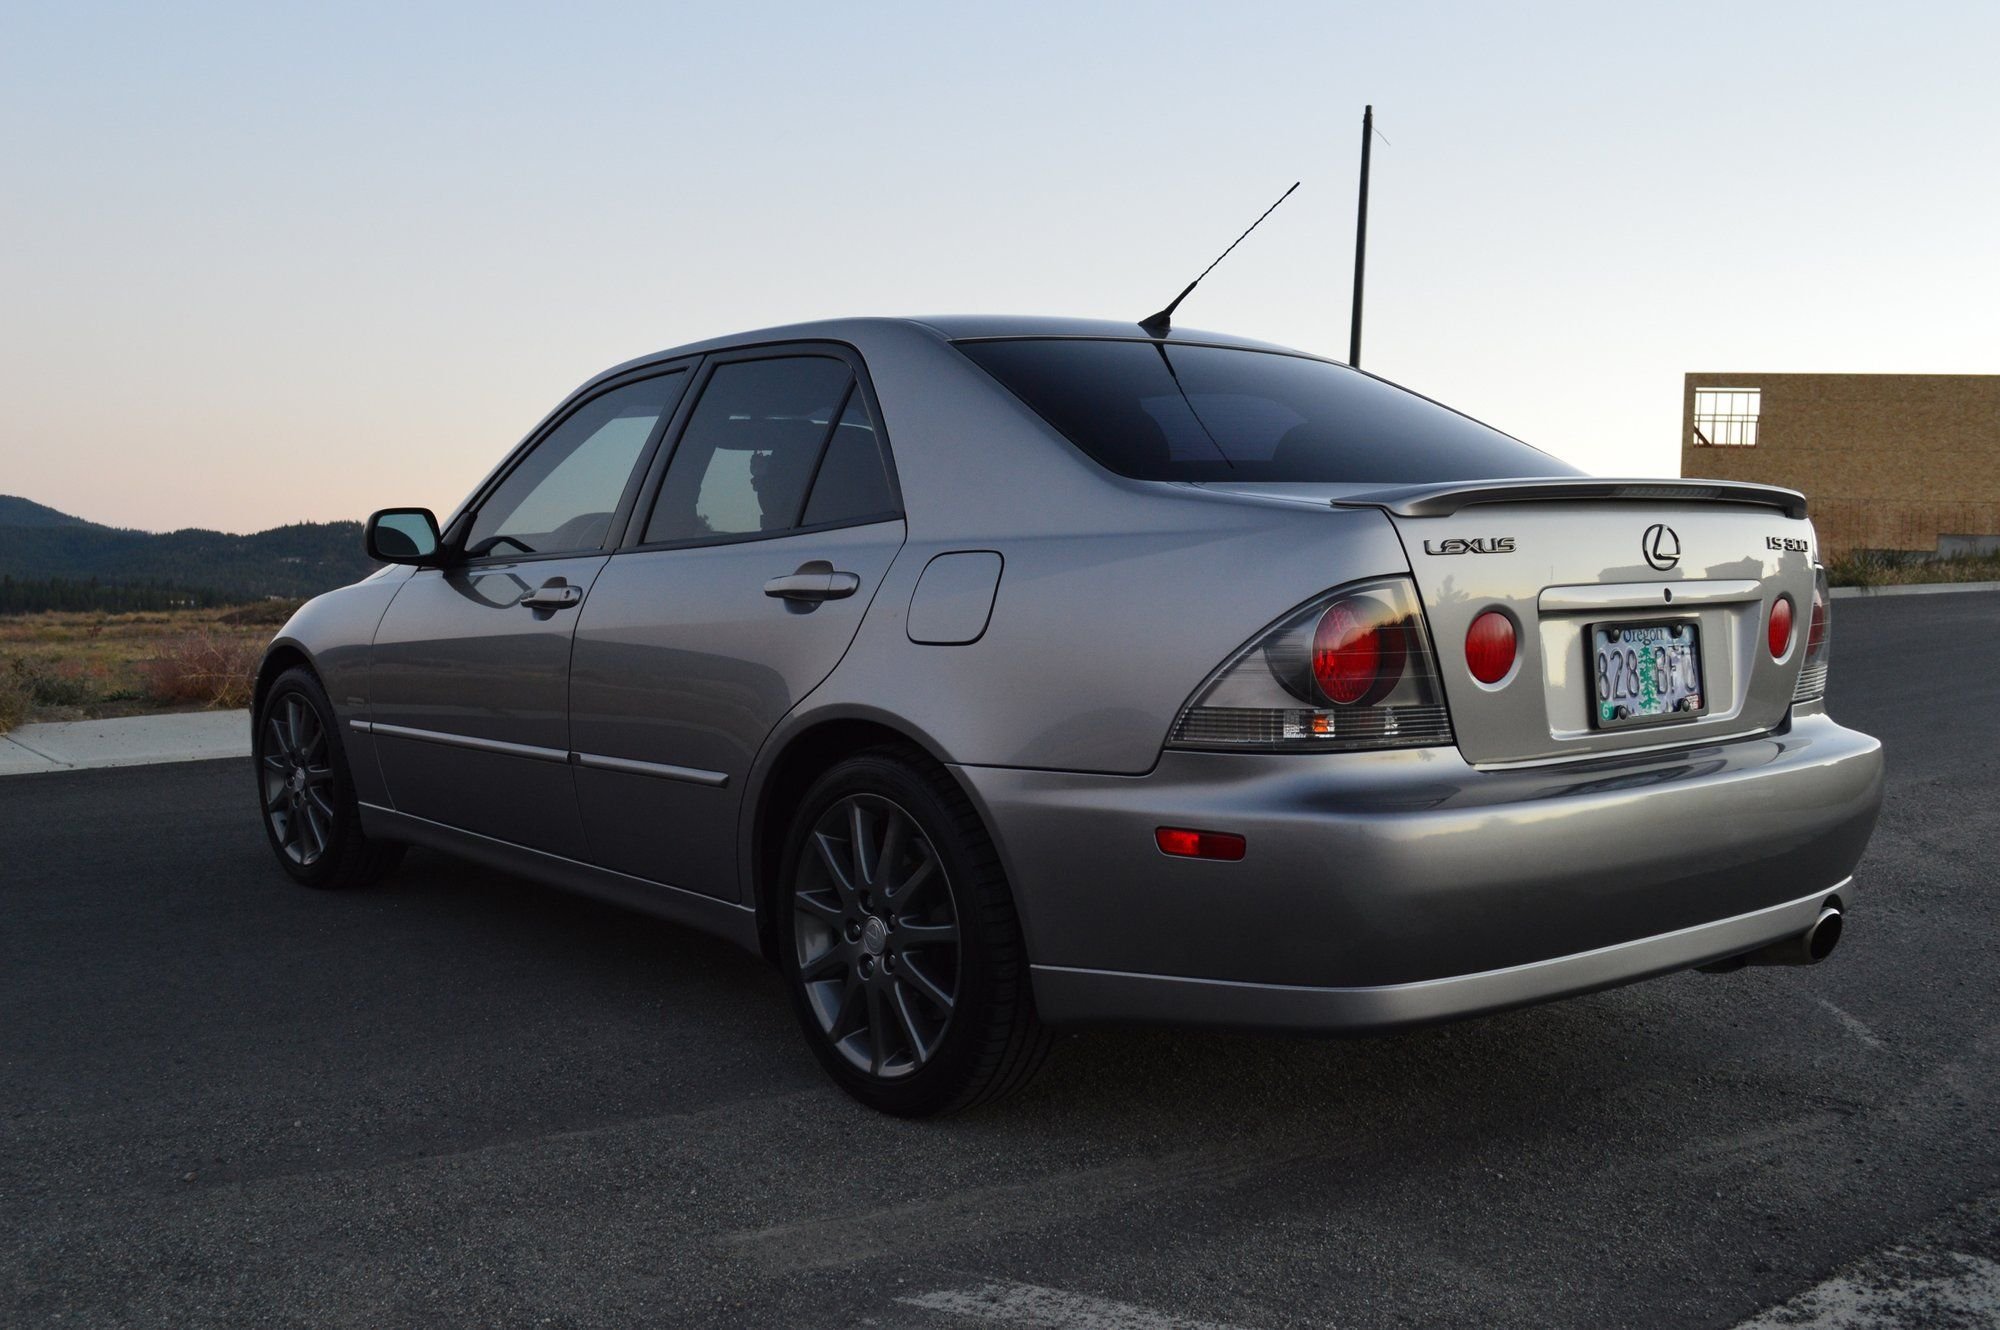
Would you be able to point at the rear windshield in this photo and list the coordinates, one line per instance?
(1154, 411)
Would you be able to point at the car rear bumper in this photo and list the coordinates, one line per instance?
(1386, 889)
(1110, 995)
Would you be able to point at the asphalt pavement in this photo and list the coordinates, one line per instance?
(462, 1099)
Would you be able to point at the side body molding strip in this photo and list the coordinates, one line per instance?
(477, 745)
(632, 766)
(692, 775)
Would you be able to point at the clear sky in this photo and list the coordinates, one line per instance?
(279, 262)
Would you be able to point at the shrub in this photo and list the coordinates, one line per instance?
(15, 693)
(1858, 568)
(28, 682)
(202, 669)
(65, 683)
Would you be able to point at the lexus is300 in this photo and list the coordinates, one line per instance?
(990, 675)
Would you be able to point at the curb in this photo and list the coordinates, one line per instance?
(1912, 589)
(127, 741)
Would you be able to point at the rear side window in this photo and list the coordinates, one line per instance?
(750, 448)
(1155, 411)
(852, 483)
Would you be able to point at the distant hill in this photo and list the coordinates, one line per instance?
(64, 555)
(26, 512)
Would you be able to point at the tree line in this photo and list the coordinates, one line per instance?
(32, 595)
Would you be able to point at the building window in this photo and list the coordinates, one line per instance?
(1726, 417)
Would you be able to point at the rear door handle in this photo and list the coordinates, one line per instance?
(553, 596)
(812, 583)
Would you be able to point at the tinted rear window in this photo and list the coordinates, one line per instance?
(1154, 411)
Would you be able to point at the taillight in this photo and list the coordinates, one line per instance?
(1358, 650)
(1778, 628)
(1489, 647)
(1819, 643)
(1352, 669)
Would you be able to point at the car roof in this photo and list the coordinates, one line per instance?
(961, 327)
(949, 327)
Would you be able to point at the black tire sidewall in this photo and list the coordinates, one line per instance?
(346, 837)
(941, 1081)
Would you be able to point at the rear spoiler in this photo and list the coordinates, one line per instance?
(1442, 500)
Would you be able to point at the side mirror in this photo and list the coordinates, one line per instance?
(403, 535)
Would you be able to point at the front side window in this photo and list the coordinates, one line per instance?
(751, 448)
(1155, 411)
(561, 498)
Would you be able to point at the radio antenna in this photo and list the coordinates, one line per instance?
(1156, 325)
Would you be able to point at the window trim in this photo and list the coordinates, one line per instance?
(649, 496)
(460, 526)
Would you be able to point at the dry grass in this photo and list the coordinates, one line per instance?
(77, 666)
(203, 668)
(1878, 569)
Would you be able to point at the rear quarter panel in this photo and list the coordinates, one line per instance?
(1117, 599)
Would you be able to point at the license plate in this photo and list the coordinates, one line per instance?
(1643, 672)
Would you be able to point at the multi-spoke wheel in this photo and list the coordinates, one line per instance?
(303, 787)
(295, 763)
(899, 936)
(875, 934)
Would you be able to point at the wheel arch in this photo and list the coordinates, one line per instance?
(786, 769)
(281, 655)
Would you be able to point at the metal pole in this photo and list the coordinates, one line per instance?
(1361, 238)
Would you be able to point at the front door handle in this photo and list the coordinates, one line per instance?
(814, 582)
(556, 595)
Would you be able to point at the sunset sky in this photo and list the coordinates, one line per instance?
(270, 263)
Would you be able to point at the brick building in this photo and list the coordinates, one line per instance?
(1887, 461)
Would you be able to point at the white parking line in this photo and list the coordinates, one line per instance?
(1066, 1195)
(1900, 1287)
(1038, 1308)
(1853, 1024)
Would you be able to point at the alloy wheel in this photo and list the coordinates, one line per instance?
(875, 933)
(295, 767)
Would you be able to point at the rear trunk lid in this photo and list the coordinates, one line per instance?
(1565, 557)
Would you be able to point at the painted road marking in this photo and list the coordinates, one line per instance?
(1038, 1308)
(1853, 1024)
(1065, 1196)
(1896, 1288)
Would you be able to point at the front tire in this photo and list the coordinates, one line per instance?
(899, 941)
(306, 793)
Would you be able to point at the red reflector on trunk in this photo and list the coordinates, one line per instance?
(1780, 626)
(1186, 844)
(1489, 647)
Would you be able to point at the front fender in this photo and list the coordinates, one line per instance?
(332, 635)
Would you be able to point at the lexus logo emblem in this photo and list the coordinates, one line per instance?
(1662, 547)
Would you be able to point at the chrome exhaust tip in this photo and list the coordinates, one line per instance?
(1807, 948)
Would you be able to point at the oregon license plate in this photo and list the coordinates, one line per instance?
(1642, 672)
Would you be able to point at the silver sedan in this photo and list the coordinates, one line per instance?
(990, 675)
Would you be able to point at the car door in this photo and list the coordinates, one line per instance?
(469, 672)
(774, 521)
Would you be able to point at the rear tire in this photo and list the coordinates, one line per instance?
(899, 941)
(306, 793)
